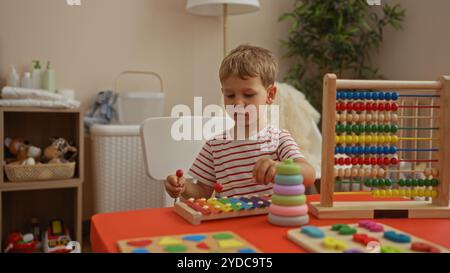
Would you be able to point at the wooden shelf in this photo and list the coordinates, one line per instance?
(46, 200)
(36, 185)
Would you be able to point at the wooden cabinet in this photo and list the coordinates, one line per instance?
(45, 200)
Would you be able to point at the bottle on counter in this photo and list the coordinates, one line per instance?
(49, 81)
(36, 75)
(26, 80)
(13, 78)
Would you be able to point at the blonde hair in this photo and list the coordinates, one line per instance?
(250, 61)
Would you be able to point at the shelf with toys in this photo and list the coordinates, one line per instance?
(42, 173)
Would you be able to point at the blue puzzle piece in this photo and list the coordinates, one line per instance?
(312, 232)
(140, 250)
(396, 237)
(194, 238)
(246, 250)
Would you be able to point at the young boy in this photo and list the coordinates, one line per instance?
(242, 167)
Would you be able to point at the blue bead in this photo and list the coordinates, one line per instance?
(381, 96)
(373, 150)
(359, 95)
(347, 150)
(379, 150)
(340, 150)
(353, 95)
(359, 150)
(375, 95)
(353, 149)
(386, 150)
(393, 149)
(336, 150)
(367, 95)
(388, 96)
(338, 95)
(394, 95)
(344, 95)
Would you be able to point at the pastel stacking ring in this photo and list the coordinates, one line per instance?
(288, 211)
(295, 200)
(288, 221)
(288, 179)
(288, 190)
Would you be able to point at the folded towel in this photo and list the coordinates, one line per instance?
(17, 93)
(39, 103)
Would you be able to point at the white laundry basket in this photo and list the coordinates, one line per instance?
(120, 179)
(136, 106)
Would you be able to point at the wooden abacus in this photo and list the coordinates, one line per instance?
(375, 134)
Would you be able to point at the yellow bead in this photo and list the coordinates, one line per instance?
(413, 193)
(427, 193)
(420, 192)
(368, 139)
(361, 139)
(408, 193)
(381, 139)
(388, 193)
(395, 193)
(374, 139)
(394, 139)
(337, 139)
(382, 193)
(387, 139)
(433, 193)
(348, 139)
(401, 193)
(376, 193)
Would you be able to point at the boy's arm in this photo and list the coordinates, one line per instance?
(197, 190)
(308, 172)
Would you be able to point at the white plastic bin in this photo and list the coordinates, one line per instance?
(120, 179)
(136, 106)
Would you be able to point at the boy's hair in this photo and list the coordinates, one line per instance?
(250, 61)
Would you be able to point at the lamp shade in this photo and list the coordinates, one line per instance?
(215, 7)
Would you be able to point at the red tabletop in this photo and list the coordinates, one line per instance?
(108, 228)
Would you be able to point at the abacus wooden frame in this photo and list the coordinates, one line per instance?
(328, 209)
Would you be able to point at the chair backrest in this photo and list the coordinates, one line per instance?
(164, 153)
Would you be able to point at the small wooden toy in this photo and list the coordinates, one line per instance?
(20, 243)
(218, 242)
(389, 139)
(358, 238)
(288, 206)
(197, 210)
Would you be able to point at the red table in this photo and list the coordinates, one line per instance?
(108, 228)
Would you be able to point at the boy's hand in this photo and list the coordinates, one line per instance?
(175, 186)
(264, 171)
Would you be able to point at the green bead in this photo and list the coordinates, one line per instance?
(341, 128)
(408, 182)
(368, 182)
(394, 128)
(380, 128)
(421, 182)
(434, 182)
(387, 128)
(387, 182)
(374, 128)
(401, 182)
(427, 182)
(348, 128)
(375, 182)
(355, 128)
(367, 128)
(414, 182)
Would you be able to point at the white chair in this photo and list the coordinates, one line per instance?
(164, 154)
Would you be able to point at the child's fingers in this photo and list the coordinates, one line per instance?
(256, 168)
(270, 175)
(173, 191)
(262, 170)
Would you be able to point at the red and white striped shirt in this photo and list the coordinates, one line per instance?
(231, 162)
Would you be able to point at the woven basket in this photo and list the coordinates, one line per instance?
(21, 173)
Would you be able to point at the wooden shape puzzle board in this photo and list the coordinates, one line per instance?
(213, 242)
(316, 244)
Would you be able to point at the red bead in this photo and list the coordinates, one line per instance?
(394, 161)
(374, 106)
(340, 161)
(373, 161)
(348, 161)
(218, 187)
(380, 161)
(349, 106)
(179, 173)
(335, 161)
(354, 160)
(367, 160)
(387, 106)
(368, 106)
(394, 106)
(360, 160)
(381, 106)
(362, 106)
(386, 161)
(341, 106)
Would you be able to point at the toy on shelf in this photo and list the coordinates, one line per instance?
(222, 242)
(288, 206)
(375, 135)
(21, 243)
(60, 151)
(56, 238)
(21, 152)
(197, 210)
(363, 237)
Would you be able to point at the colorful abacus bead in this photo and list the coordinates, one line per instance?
(288, 206)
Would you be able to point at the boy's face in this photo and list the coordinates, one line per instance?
(244, 92)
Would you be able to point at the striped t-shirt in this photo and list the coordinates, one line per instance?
(231, 162)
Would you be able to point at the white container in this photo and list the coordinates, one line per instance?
(26, 81)
(120, 180)
(13, 78)
(136, 106)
